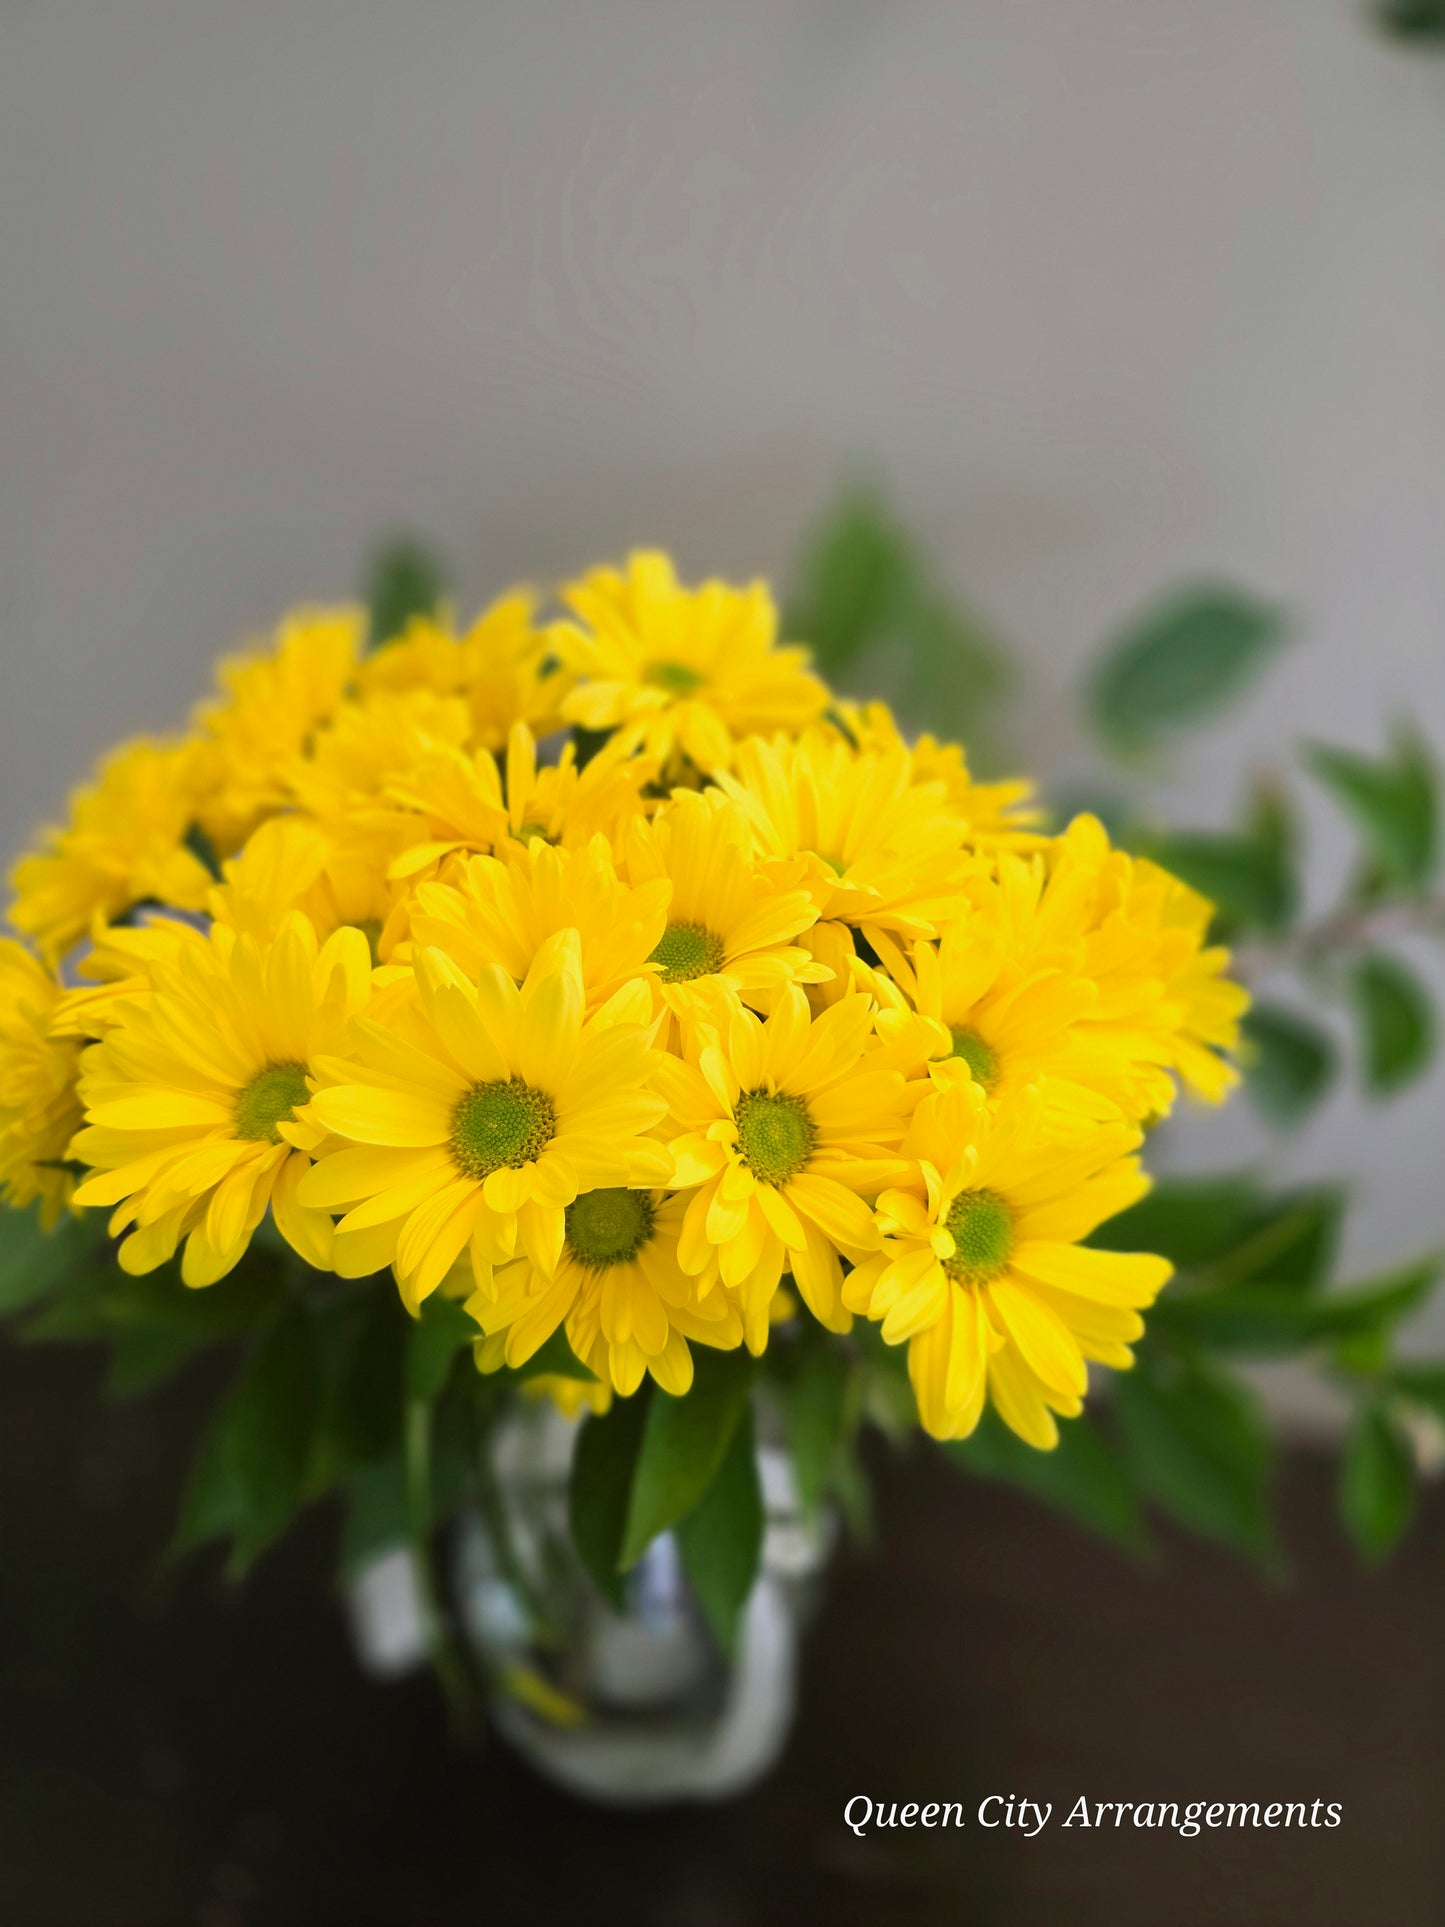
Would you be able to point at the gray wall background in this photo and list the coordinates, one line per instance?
(1108, 291)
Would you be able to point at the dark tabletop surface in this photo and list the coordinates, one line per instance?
(175, 1751)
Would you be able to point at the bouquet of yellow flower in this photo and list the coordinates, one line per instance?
(608, 992)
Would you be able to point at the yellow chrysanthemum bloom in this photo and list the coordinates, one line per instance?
(687, 672)
(335, 879)
(1164, 1000)
(368, 743)
(786, 1127)
(39, 1110)
(629, 1306)
(981, 1271)
(503, 667)
(459, 804)
(994, 816)
(270, 704)
(502, 909)
(195, 1097)
(731, 921)
(878, 850)
(476, 1112)
(124, 844)
(1008, 1026)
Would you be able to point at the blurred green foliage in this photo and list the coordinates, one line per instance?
(405, 577)
(1422, 20)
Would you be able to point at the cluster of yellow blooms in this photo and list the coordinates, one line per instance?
(613, 1044)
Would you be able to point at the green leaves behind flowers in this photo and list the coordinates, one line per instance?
(1248, 874)
(1198, 1447)
(405, 577)
(1290, 1062)
(34, 1262)
(1422, 20)
(877, 619)
(1391, 801)
(250, 1476)
(1180, 662)
(654, 1462)
(1084, 1477)
(721, 1538)
(1396, 1022)
(1377, 1481)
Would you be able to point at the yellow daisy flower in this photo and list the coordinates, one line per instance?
(475, 1114)
(993, 815)
(878, 850)
(336, 880)
(687, 671)
(457, 803)
(502, 909)
(628, 1304)
(118, 967)
(39, 1109)
(982, 1274)
(503, 667)
(124, 844)
(369, 742)
(786, 1126)
(270, 705)
(730, 920)
(1006, 1001)
(195, 1097)
(1164, 1001)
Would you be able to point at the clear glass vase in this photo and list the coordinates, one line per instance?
(634, 1708)
(640, 1706)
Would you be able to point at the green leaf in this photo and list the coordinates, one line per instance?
(864, 591)
(683, 1444)
(1422, 1384)
(1083, 1477)
(721, 1539)
(1266, 1320)
(405, 577)
(816, 1404)
(1396, 1020)
(250, 1477)
(1413, 19)
(1377, 1483)
(1187, 1220)
(604, 1461)
(553, 1359)
(362, 1342)
(376, 1515)
(1183, 660)
(1199, 1449)
(433, 1343)
(1392, 804)
(1291, 1063)
(1290, 1240)
(855, 571)
(34, 1262)
(1250, 884)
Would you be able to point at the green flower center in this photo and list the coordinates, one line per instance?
(675, 677)
(776, 1134)
(980, 1057)
(270, 1099)
(609, 1227)
(687, 950)
(983, 1232)
(503, 1123)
